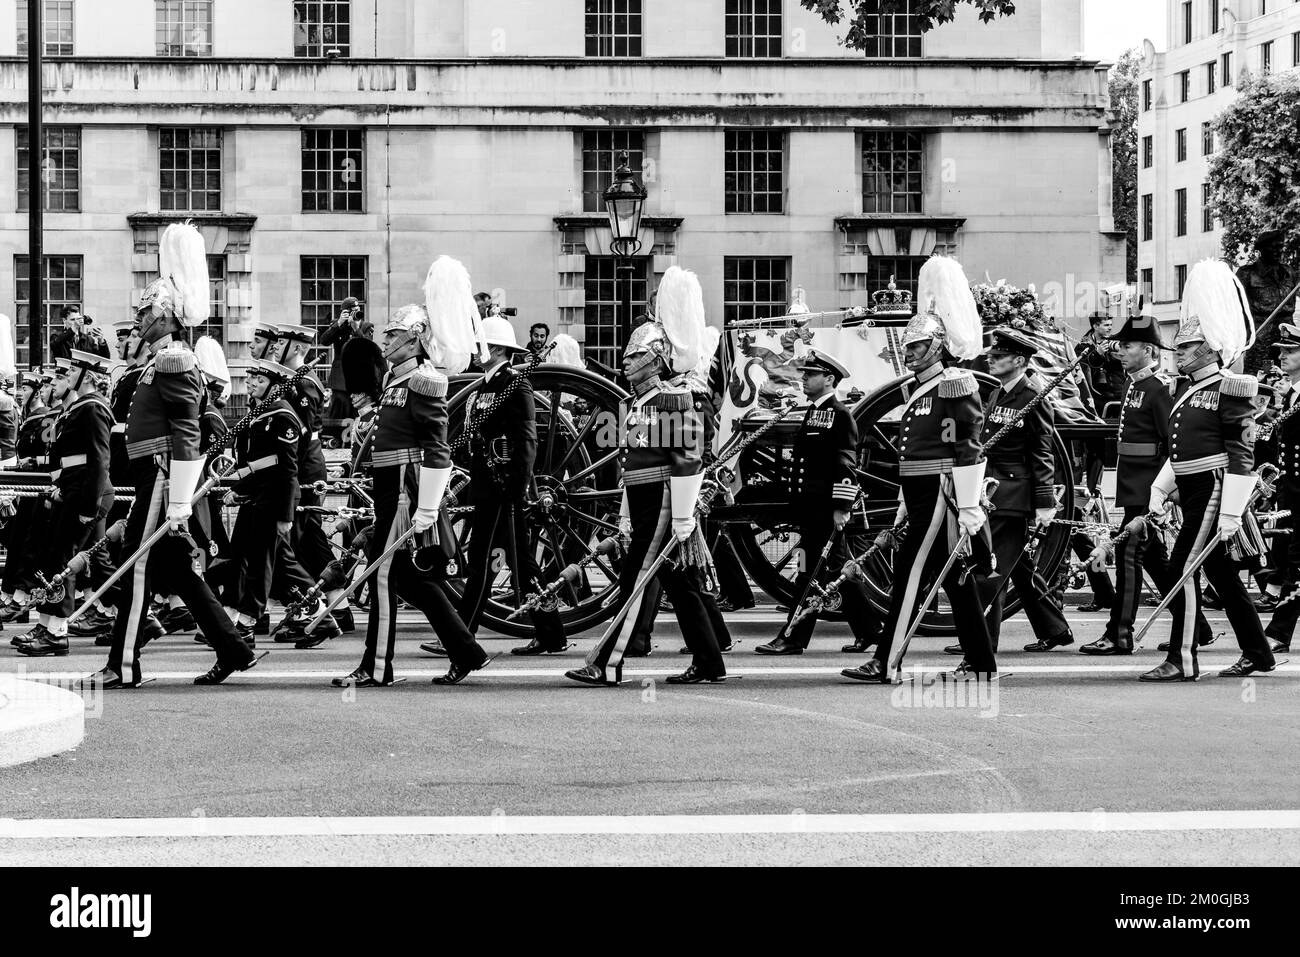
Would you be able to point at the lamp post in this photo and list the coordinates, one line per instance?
(35, 188)
(624, 202)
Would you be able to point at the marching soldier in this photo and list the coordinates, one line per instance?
(162, 441)
(1211, 439)
(502, 452)
(265, 491)
(823, 487)
(940, 472)
(80, 486)
(412, 464)
(30, 522)
(1281, 628)
(1025, 468)
(1143, 450)
(662, 474)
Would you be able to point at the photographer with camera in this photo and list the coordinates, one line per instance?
(340, 331)
(78, 333)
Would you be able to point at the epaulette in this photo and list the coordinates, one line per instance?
(1241, 386)
(672, 401)
(957, 384)
(173, 361)
(427, 380)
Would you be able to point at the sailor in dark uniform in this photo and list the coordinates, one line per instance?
(823, 488)
(941, 473)
(1281, 629)
(308, 397)
(1025, 468)
(663, 471)
(162, 441)
(412, 466)
(1143, 450)
(81, 493)
(1211, 457)
(30, 523)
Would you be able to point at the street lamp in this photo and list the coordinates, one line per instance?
(624, 202)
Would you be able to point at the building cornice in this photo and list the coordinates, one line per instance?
(901, 221)
(592, 62)
(597, 220)
(244, 221)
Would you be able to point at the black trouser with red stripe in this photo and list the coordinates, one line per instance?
(1142, 550)
(926, 546)
(1200, 496)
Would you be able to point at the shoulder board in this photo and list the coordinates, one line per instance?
(957, 384)
(174, 361)
(427, 380)
(1242, 386)
(672, 401)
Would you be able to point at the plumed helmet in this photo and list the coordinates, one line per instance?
(1215, 311)
(212, 359)
(698, 378)
(183, 262)
(567, 352)
(676, 334)
(947, 309)
(455, 332)
(8, 358)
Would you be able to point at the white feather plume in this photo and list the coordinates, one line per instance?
(1215, 296)
(679, 308)
(183, 261)
(212, 358)
(708, 348)
(454, 325)
(943, 283)
(567, 352)
(8, 357)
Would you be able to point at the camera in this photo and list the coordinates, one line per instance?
(508, 311)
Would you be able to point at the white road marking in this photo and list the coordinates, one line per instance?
(974, 823)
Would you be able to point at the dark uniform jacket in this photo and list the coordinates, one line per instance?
(1022, 461)
(362, 428)
(308, 401)
(1286, 437)
(164, 415)
(504, 448)
(80, 456)
(1212, 423)
(1105, 374)
(663, 438)
(35, 436)
(212, 427)
(1143, 437)
(412, 427)
(823, 459)
(941, 424)
(120, 402)
(269, 446)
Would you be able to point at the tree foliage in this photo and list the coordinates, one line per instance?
(1124, 150)
(1255, 187)
(931, 12)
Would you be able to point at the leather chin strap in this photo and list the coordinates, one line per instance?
(932, 355)
(1203, 356)
(398, 345)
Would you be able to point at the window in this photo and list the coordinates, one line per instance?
(1147, 284)
(57, 26)
(189, 169)
(890, 34)
(613, 27)
(1211, 70)
(1184, 86)
(753, 28)
(1295, 48)
(1266, 57)
(326, 282)
(1146, 95)
(1180, 145)
(1207, 138)
(61, 169)
(754, 287)
(184, 27)
(61, 284)
(1225, 69)
(1180, 212)
(600, 150)
(1187, 21)
(607, 327)
(333, 171)
(1207, 209)
(1147, 206)
(322, 28)
(755, 171)
(1181, 273)
(1214, 16)
(216, 324)
(1148, 151)
(892, 172)
(902, 269)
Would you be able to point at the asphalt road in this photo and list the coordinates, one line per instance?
(783, 739)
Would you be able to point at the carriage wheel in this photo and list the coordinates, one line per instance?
(770, 550)
(573, 501)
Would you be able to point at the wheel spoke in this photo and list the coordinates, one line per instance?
(593, 467)
(554, 400)
(596, 560)
(558, 468)
(592, 519)
(595, 496)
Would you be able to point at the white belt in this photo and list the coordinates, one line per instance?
(315, 436)
(68, 461)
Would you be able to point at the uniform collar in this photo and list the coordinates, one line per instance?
(641, 400)
(1141, 374)
(402, 371)
(1294, 386)
(1013, 387)
(828, 397)
(929, 372)
(494, 369)
(1204, 372)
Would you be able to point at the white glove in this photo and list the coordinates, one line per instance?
(684, 492)
(971, 520)
(1043, 516)
(625, 518)
(1229, 525)
(433, 484)
(1097, 558)
(183, 481)
(1162, 488)
(684, 528)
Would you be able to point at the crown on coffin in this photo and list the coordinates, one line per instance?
(892, 299)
